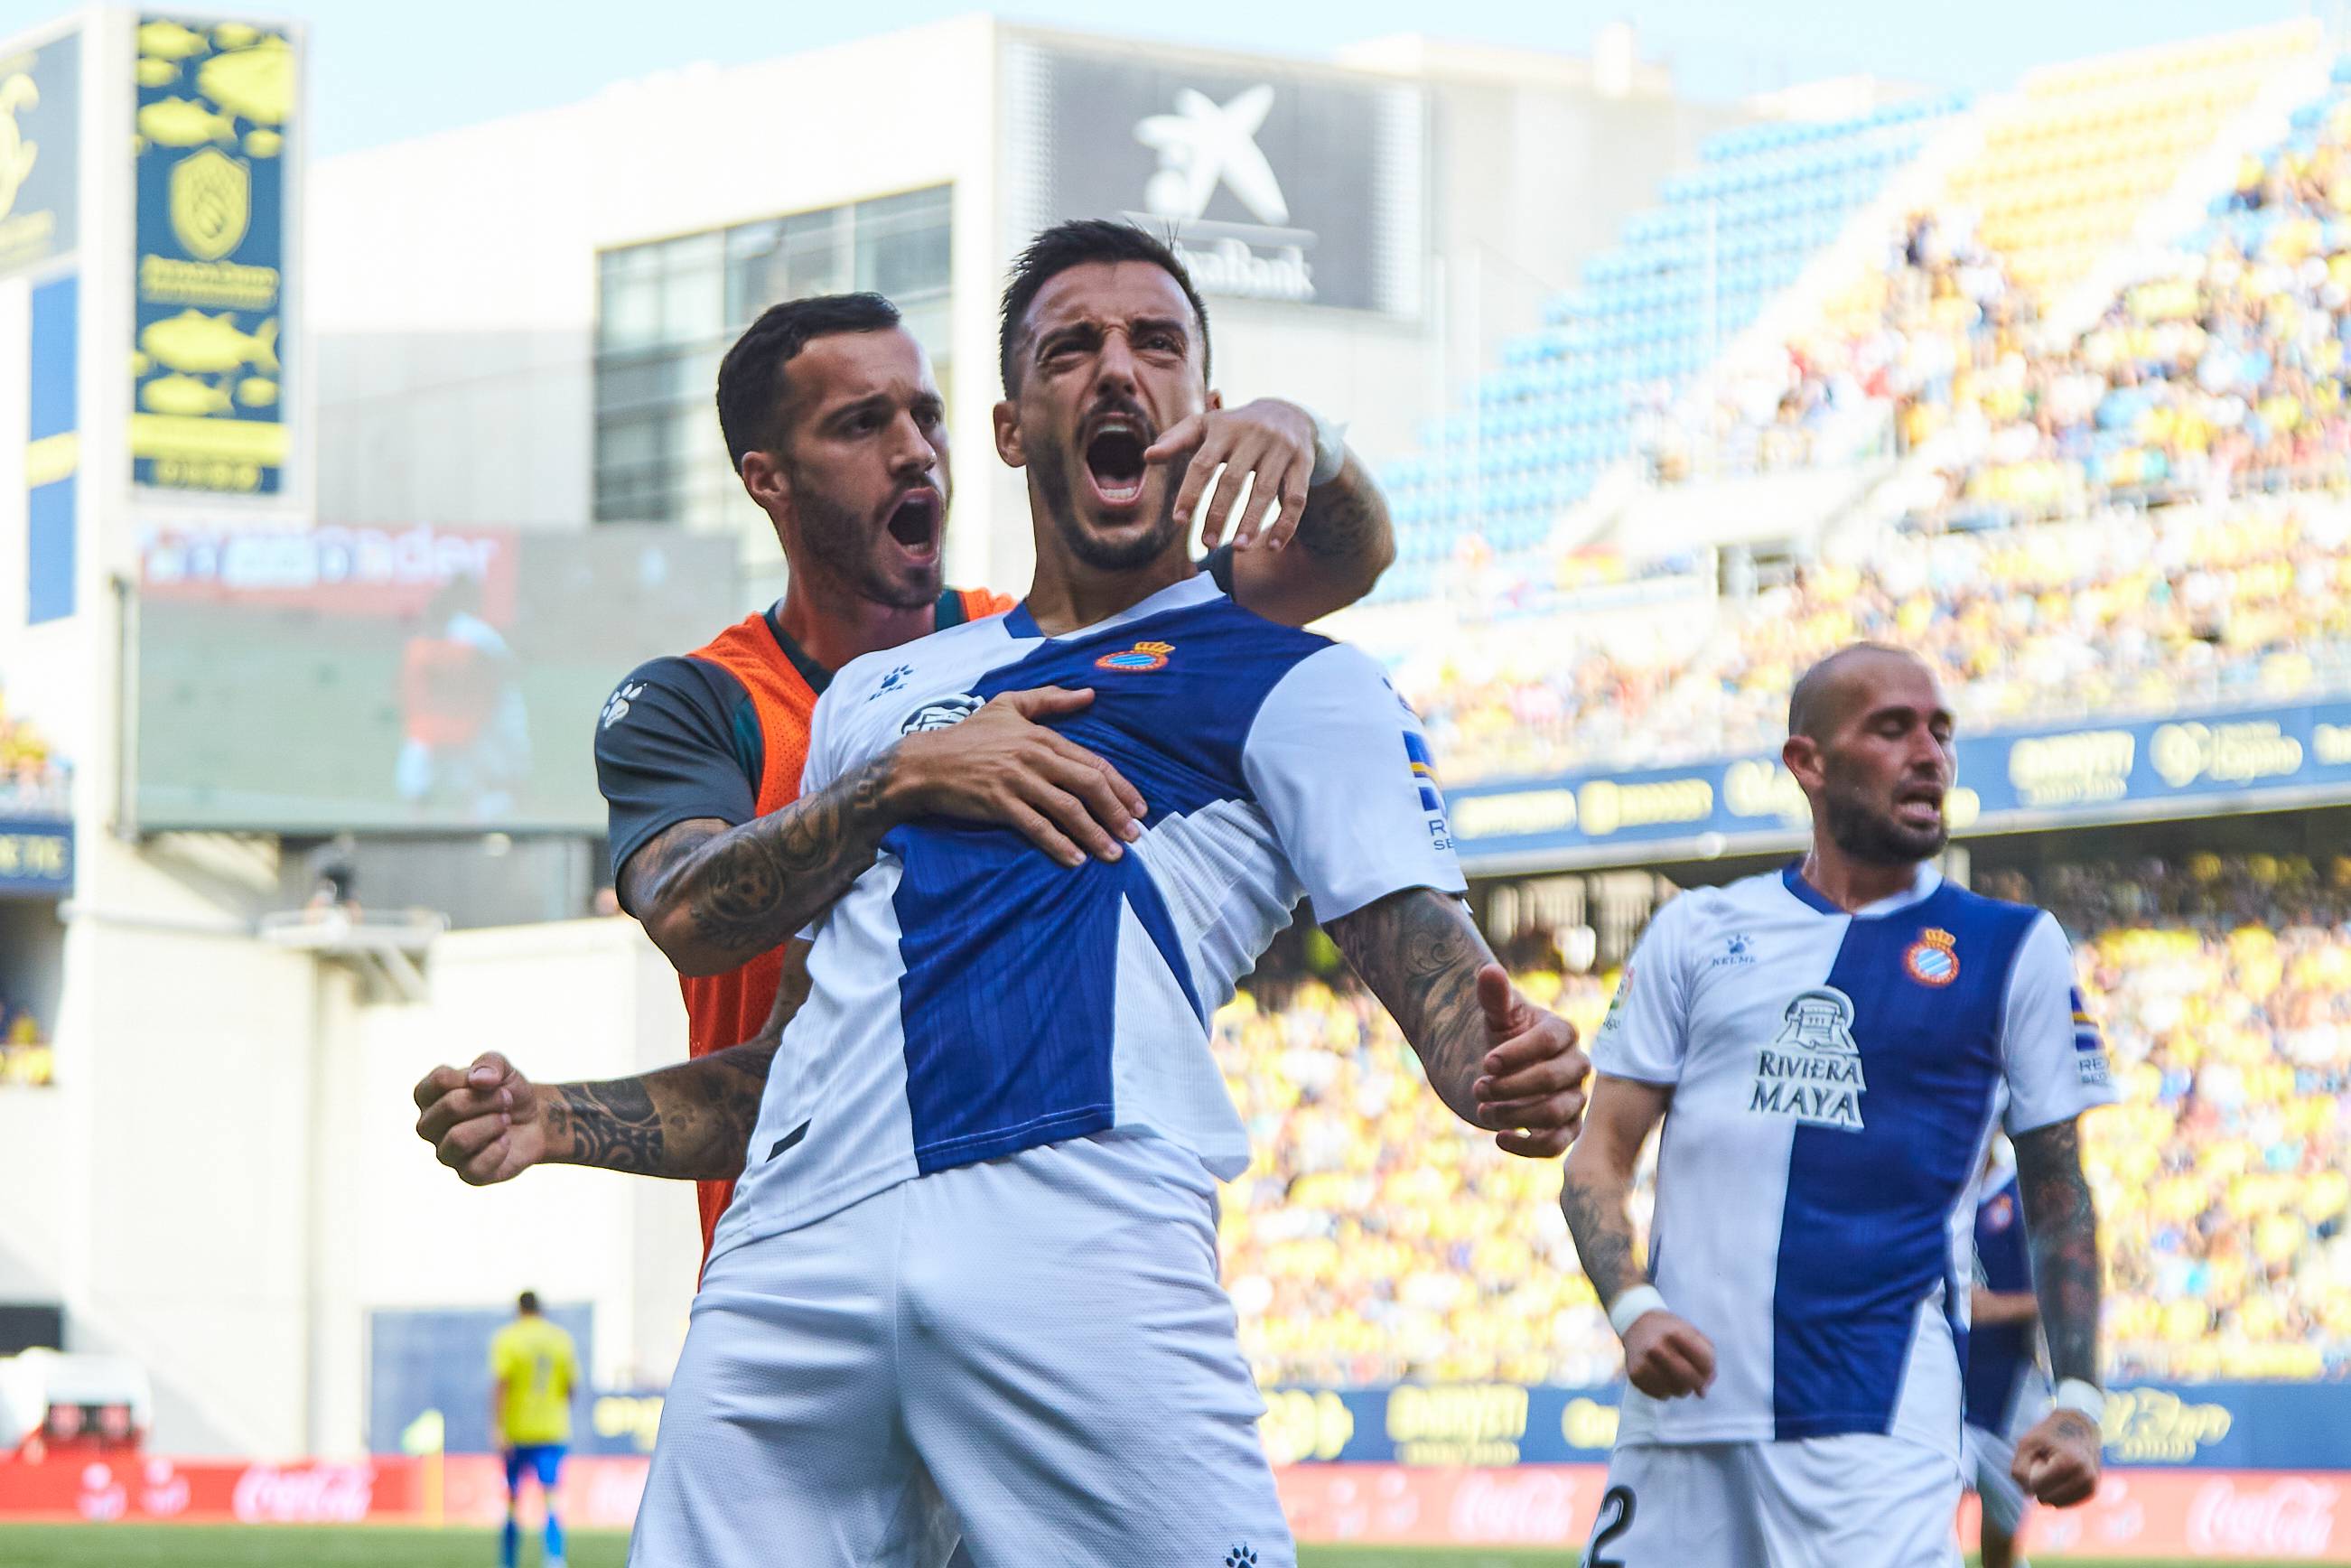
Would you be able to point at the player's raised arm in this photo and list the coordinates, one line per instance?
(692, 1121)
(712, 896)
(1665, 1356)
(1329, 508)
(1496, 1060)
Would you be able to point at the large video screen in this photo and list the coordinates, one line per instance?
(381, 679)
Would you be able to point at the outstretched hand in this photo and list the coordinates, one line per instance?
(1269, 438)
(483, 1121)
(1531, 1088)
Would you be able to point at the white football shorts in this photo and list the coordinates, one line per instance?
(1984, 1461)
(1033, 1352)
(1857, 1500)
(1985, 1458)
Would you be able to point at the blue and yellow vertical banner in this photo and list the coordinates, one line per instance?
(210, 345)
(53, 450)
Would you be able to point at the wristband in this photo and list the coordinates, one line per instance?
(1631, 1306)
(2083, 1399)
(1329, 450)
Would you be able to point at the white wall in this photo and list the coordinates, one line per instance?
(580, 999)
(227, 1179)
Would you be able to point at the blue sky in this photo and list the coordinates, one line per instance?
(385, 72)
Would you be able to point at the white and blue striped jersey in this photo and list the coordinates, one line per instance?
(972, 998)
(1834, 1082)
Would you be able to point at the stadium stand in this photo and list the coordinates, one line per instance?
(1685, 278)
(2130, 613)
(1922, 327)
(1375, 1239)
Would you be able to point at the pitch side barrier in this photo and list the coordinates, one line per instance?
(2212, 1471)
(2080, 774)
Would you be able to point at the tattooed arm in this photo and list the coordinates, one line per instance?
(1600, 1180)
(2062, 1225)
(1345, 541)
(1496, 1059)
(2058, 1460)
(1665, 1355)
(692, 1121)
(712, 897)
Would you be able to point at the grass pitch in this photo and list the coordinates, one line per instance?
(391, 1546)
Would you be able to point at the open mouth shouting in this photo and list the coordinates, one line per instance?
(914, 522)
(1114, 448)
(1920, 805)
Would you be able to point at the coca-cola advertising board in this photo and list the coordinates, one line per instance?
(2198, 1515)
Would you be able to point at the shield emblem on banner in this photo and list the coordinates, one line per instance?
(211, 202)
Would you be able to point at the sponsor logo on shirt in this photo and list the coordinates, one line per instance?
(1141, 658)
(1933, 959)
(1432, 799)
(943, 714)
(891, 682)
(1811, 1072)
(616, 707)
(1737, 950)
(2089, 1047)
(1616, 1002)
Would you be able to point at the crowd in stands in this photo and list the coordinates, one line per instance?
(2130, 613)
(2219, 370)
(2224, 1179)
(1375, 1238)
(34, 780)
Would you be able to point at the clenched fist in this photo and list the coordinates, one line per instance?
(484, 1122)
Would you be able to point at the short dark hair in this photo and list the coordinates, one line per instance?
(528, 1302)
(1075, 243)
(752, 376)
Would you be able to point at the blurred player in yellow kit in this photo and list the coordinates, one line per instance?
(533, 1370)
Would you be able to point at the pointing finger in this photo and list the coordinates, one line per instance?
(1178, 439)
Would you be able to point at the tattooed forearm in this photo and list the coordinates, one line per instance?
(1595, 1206)
(611, 1125)
(713, 900)
(692, 1121)
(1348, 519)
(2063, 1223)
(1420, 953)
(1599, 1181)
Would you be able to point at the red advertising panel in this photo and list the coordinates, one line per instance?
(2214, 1516)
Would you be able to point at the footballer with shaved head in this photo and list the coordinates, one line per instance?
(1828, 1048)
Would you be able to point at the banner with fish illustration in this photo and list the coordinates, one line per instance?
(210, 338)
(40, 130)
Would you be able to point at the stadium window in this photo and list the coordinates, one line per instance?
(668, 309)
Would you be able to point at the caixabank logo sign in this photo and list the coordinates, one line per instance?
(1274, 182)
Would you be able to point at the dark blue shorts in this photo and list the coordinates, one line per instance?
(542, 1460)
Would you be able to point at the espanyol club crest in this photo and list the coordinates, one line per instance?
(1933, 959)
(1142, 657)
